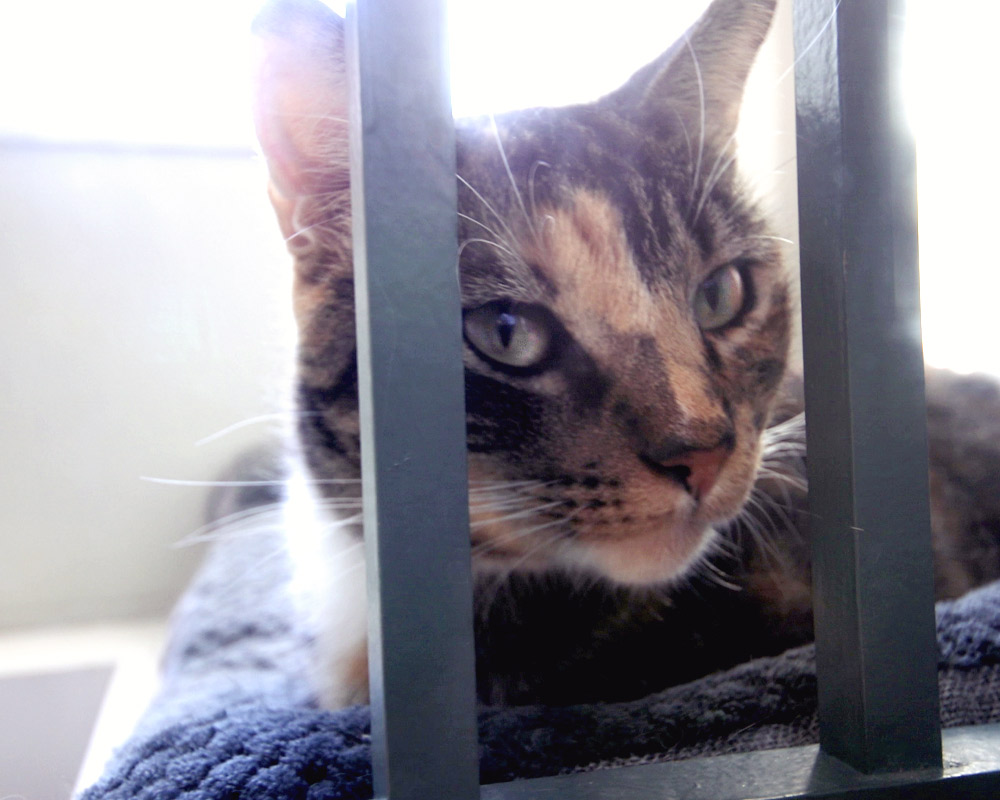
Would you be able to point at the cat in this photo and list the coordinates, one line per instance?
(635, 439)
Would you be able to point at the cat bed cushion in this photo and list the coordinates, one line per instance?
(235, 717)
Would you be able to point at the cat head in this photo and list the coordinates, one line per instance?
(626, 312)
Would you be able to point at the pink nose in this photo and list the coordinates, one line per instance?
(696, 470)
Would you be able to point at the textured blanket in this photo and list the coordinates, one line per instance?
(234, 718)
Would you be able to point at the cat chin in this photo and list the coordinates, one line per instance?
(644, 561)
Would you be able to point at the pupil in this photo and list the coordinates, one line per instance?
(712, 294)
(505, 327)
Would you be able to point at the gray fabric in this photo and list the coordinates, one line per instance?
(235, 717)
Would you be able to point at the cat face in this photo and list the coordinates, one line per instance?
(626, 314)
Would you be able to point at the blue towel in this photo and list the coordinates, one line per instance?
(235, 718)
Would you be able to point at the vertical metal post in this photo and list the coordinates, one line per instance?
(873, 585)
(412, 403)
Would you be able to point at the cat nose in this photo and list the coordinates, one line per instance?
(696, 469)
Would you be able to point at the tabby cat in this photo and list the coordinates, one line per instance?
(635, 456)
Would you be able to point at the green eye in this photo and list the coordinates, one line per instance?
(514, 334)
(719, 299)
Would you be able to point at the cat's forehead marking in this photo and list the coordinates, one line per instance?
(582, 248)
(611, 309)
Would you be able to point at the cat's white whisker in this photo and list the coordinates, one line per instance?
(467, 242)
(227, 532)
(342, 522)
(780, 510)
(717, 575)
(498, 500)
(247, 516)
(489, 207)
(812, 43)
(531, 551)
(521, 533)
(784, 479)
(275, 482)
(531, 187)
(256, 420)
(701, 110)
(714, 178)
(512, 488)
(552, 523)
(325, 117)
(759, 533)
(485, 227)
(510, 176)
(783, 239)
(517, 515)
(299, 230)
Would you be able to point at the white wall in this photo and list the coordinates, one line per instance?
(144, 306)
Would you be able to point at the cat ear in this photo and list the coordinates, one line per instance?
(700, 79)
(300, 108)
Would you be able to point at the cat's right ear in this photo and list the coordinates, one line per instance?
(300, 107)
(699, 81)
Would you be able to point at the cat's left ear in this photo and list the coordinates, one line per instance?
(700, 79)
(300, 108)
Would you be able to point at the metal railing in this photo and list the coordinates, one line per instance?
(876, 649)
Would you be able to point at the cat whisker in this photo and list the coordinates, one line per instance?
(826, 25)
(467, 242)
(792, 428)
(511, 483)
(783, 239)
(546, 541)
(340, 504)
(230, 533)
(256, 420)
(552, 523)
(714, 176)
(521, 533)
(522, 489)
(497, 505)
(489, 207)
(784, 479)
(783, 447)
(701, 111)
(485, 227)
(510, 176)
(531, 187)
(299, 230)
(761, 529)
(548, 225)
(758, 533)
(517, 515)
(780, 510)
(785, 467)
(716, 574)
(517, 486)
(323, 117)
(216, 483)
(342, 522)
(359, 564)
(236, 525)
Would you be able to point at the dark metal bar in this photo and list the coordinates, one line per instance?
(972, 773)
(412, 404)
(868, 497)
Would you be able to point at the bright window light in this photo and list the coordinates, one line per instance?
(177, 74)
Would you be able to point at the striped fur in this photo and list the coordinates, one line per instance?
(606, 220)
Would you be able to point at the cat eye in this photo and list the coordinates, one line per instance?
(720, 298)
(513, 334)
